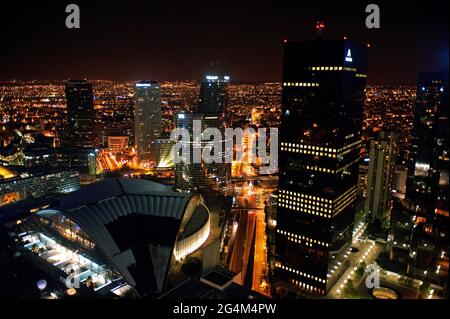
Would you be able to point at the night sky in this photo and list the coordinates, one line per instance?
(175, 40)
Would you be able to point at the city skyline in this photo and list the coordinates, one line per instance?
(154, 44)
(224, 151)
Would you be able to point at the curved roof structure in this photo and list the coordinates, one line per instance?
(135, 224)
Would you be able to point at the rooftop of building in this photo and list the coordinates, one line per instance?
(135, 223)
(206, 287)
(110, 188)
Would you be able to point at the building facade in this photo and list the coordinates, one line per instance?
(322, 102)
(213, 89)
(382, 154)
(119, 235)
(199, 176)
(80, 114)
(428, 173)
(147, 118)
(33, 183)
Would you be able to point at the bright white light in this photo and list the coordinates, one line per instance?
(181, 116)
(349, 58)
(212, 77)
(143, 85)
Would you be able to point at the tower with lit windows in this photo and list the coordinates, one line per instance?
(147, 118)
(322, 103)
(427, 192)
(213, 89)
(428, 173)
(207, 178)
(80, 114)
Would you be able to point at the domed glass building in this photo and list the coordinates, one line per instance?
(120, 234)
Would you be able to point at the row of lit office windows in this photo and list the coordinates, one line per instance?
(294, 150)
(305, 204)
(308, 149)
(306, 198)
(307, 286)
(331, 68)
(307, 84)
(279, 265)
(314, 207)
(318, 150)
(325, 68)
(296, 198)
(361, 75)
(301, 237)
(319, 169)
(312, 212)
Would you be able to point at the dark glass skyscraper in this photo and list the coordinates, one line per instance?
(322, 102)
(207, 177)
(213, 89)
(428, 180)
(147, 118)
(428, 173)
(80, 114)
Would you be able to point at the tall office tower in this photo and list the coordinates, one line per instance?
(427, 183)
(428, 176)
(212, 104)
(322, 102)
(80, 114)
(147, 118)
(382, 155)
(189, 176)
(213, 89)
(205, 178)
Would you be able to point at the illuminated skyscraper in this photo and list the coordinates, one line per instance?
(213, 89)
(147, 118)
(322, 102)
(383, 151)
(202, 177)
(80, 114)
(207, 177)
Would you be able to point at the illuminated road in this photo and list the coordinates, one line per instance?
(242, 244)
(251, 230)
(112, 160)
(251, 191)
(260, 259)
